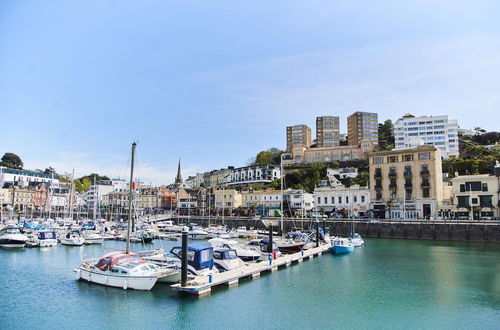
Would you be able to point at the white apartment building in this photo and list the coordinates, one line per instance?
(25, 178)
(348, 172)
(104, 187)
(340, 200)
(476, 197)
(298, 201)
(253, 174)
(439, 131)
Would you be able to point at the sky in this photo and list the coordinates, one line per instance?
(215, 82)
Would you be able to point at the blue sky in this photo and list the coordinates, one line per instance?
(214, 82)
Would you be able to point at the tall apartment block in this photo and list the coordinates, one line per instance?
(438, 131)
(327, 131)
(362, 126)
(298, 135)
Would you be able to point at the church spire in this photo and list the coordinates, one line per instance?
(178, 178)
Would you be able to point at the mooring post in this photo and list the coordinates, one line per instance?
(270, 245)
(184, 260)
(324, 227)
(317, 233)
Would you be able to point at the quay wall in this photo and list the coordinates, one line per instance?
(474, 232)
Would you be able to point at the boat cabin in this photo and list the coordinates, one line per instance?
(225, 254)
(199, 256)
(47, 234)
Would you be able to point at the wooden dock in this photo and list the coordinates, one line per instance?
(202, 285)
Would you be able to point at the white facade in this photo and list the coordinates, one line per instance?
(348, 172)
(438, 131)
(299, 200)
(253, 174)
(104, 187)
(23, 178)
(354, 200)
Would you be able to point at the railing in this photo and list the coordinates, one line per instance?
(393, 186)
(426, 184)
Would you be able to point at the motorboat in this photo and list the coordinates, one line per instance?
(72, 238)
(196, 233)
(200, 258)
(121, 270)
(165, 225)
(357, 240)
(33, 240)
(290, 245)
(47, 238)
(11, 238)
(260, 245)
(226, 259)
(92, 237)
(341, 245)
(243, 253)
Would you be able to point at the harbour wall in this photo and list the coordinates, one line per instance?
(474, 232)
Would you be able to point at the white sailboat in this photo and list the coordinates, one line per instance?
(125, 270)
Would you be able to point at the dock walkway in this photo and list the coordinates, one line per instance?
(202, 285)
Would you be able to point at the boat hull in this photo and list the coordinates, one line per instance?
(71, 242)
(339, 249)
(125, 282)
(47, 243)
(290, 248)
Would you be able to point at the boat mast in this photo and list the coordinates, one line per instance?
(127, 250)
(281, 181)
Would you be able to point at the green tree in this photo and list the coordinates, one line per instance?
(264, 157)
(11, 160)
(386, 135)
(49, 170)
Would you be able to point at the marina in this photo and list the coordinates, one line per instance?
(451, 285)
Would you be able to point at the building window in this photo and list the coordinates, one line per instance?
(378, 195)
(474, 186)
(362, 199)
(408, 194)
(340, 199)
(474, 200)
(484, 187)
(347, 199)
(393, 194)
(378, 160)
(319, 200)
(424, 156)
(463, 201)
(425, 193)
(355, 199)
(392, 159)
(485, 201)
(462, 187)
(408, 158)
(326, 200)
(333, 200)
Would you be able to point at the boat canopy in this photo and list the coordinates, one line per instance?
(117, 258)
(199, 256)
(225, 254)
(47, 234)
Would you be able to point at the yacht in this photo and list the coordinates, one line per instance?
(196, 233)
(226, 259)
(260, 245)
(72, 238)
(200, 259)
(242, 253)
(341, 245)
(11, 237)
(357, 240)
(92, 237)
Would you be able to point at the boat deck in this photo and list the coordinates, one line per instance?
(202, 285)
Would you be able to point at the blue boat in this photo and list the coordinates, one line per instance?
(341, 245)
(200, 258)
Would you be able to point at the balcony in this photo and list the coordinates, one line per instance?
(408, 185)
(393, 186)
(378, 175)
(378, 186)
(426, 184)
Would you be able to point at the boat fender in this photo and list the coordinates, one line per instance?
(125, 285)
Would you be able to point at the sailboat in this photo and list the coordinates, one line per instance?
(119, 269)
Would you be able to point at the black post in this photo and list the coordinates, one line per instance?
(270, 244)
(133, 223)
(317, 233)
(324, 227)
(184, 261)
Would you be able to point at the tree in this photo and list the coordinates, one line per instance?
(11, 160)
(49, 170)
(269, 156)
(386, 135)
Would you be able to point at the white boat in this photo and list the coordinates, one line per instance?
(196, 233)
(260, 246)
(357, 240)
(47, 238)
(243, 253)
(92, 237)
(121, 270)
(226, 259)
(11, 238)
(165, 225)
(72, 238)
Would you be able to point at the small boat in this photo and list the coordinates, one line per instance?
(341, 245)
(242, 253)
(226, 259)
(33, 240)
(121, 270)
(47, 238)
(197, 233)
(72, 238)
(357, 240)
(260, 245)
(200, 258)
(165, 225)
(290, 245)
(11, 238)
(92, 237)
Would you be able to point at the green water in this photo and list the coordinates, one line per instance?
(388, 284)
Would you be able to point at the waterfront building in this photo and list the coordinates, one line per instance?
(13, 177)
(253, 174)
(168, 200)
(298, 135)
(406, 183)
(227, 199)
(148, 199)
(270, 202)
(103, 187)
(362, 126)
(327, 131)
(341, 201)
(300, 154)
(438, 131)
(251, 198)
(297, 202)
(476, 197)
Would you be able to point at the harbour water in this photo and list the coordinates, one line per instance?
(386, 284)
